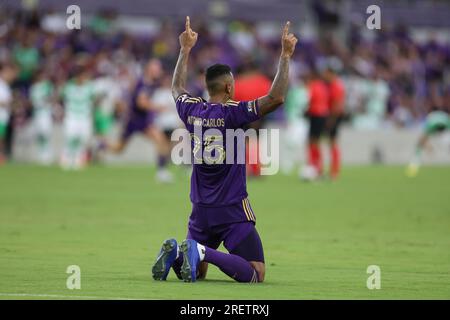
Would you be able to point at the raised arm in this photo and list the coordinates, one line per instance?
(187, 40)
(280, 84)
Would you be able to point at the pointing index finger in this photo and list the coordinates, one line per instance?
(188, 23)
(286, 28)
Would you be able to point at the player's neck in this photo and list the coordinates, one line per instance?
(219, 98)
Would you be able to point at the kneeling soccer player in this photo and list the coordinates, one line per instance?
(221, 211)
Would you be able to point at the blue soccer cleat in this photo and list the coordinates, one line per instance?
(191, 260)
(165, 259)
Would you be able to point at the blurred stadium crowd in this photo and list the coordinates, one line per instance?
(390, 79)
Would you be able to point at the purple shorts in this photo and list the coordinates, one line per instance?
(239, 237)
(138, 124)
(206, 216)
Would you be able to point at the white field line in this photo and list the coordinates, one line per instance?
(43, 295)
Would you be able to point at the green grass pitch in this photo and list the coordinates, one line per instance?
(318, 238)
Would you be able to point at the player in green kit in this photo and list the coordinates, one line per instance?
(109, 98)
(42, 94)
(78, 96)
(296, 130)
(436, 122)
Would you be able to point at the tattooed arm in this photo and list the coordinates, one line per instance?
(187, 40)
(280, 84)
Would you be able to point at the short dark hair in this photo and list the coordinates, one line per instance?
(217, 70)
(213, 73)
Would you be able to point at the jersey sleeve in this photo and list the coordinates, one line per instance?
(241, 113)
(184, 103)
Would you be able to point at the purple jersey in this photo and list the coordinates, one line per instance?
(138, 119)
(141, 87)
(218, 184)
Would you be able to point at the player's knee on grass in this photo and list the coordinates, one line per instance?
(251, 249)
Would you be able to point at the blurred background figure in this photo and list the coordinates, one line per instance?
(336, 105)
(251, 84)
(142, 115)
(78, 96)
(369, 114)
(7, 75)
(168, 120)
(296, 131)
(437, 122)
(317, 112)
(43, 98)
(109, 102)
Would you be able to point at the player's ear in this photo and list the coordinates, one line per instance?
(228, 88)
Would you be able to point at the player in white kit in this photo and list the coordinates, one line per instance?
(7, 75)
(168, 120)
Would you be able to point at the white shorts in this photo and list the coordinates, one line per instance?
(168, 121)
(43, 124)
(78, 128)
